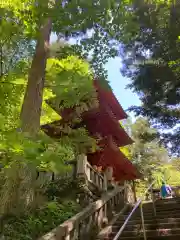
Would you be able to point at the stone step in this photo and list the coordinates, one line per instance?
(164, 202)
(149, 233)
(149, 226)
(169, 237)
(151, 213)
(151, 216)
(161, 207)
(166, 208)
(150, 221)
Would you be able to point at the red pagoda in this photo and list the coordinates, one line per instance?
(103, 121)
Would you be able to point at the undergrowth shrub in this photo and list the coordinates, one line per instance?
(61, 205)
(63, 188)
(34, 225)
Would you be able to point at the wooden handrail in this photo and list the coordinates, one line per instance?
(89, 165)
(89, 174)
(63, 231)
(138, 203)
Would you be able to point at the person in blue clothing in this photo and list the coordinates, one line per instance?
(166, 190)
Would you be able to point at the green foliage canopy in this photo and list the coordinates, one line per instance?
(65, 79)
(146, 152)
(151, 61)
(97, 26)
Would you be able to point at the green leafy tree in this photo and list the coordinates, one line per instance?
(176, 163)
(68, 19)
(169, 174)
(21, 155)
(146, 152)
(151, 61)
(14, 45)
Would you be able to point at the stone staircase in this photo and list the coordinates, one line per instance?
(166, 224)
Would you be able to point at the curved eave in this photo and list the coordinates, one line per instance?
(98, 122)
(52, 129)
(66, 113)
(111, 156)
(106, 95)
(56, 130)
(103, 122)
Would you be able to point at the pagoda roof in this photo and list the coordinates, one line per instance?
(101, 121)
(111, 156)
(54, 129)
(106, 95)
(97, 123)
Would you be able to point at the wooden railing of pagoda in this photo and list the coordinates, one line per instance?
(87, 223)
(90, 175)
(95, 177)
(84, 171)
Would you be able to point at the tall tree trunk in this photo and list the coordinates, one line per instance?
(30, 122)
(31, 108)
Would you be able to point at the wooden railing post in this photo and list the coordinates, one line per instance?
(153, 201)
(89, 174)
(105, 182)
(142, 219)
(134, 190)
(81, 176)
(81, 166)
(109, 175)
(125, 192)
(128, 193)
